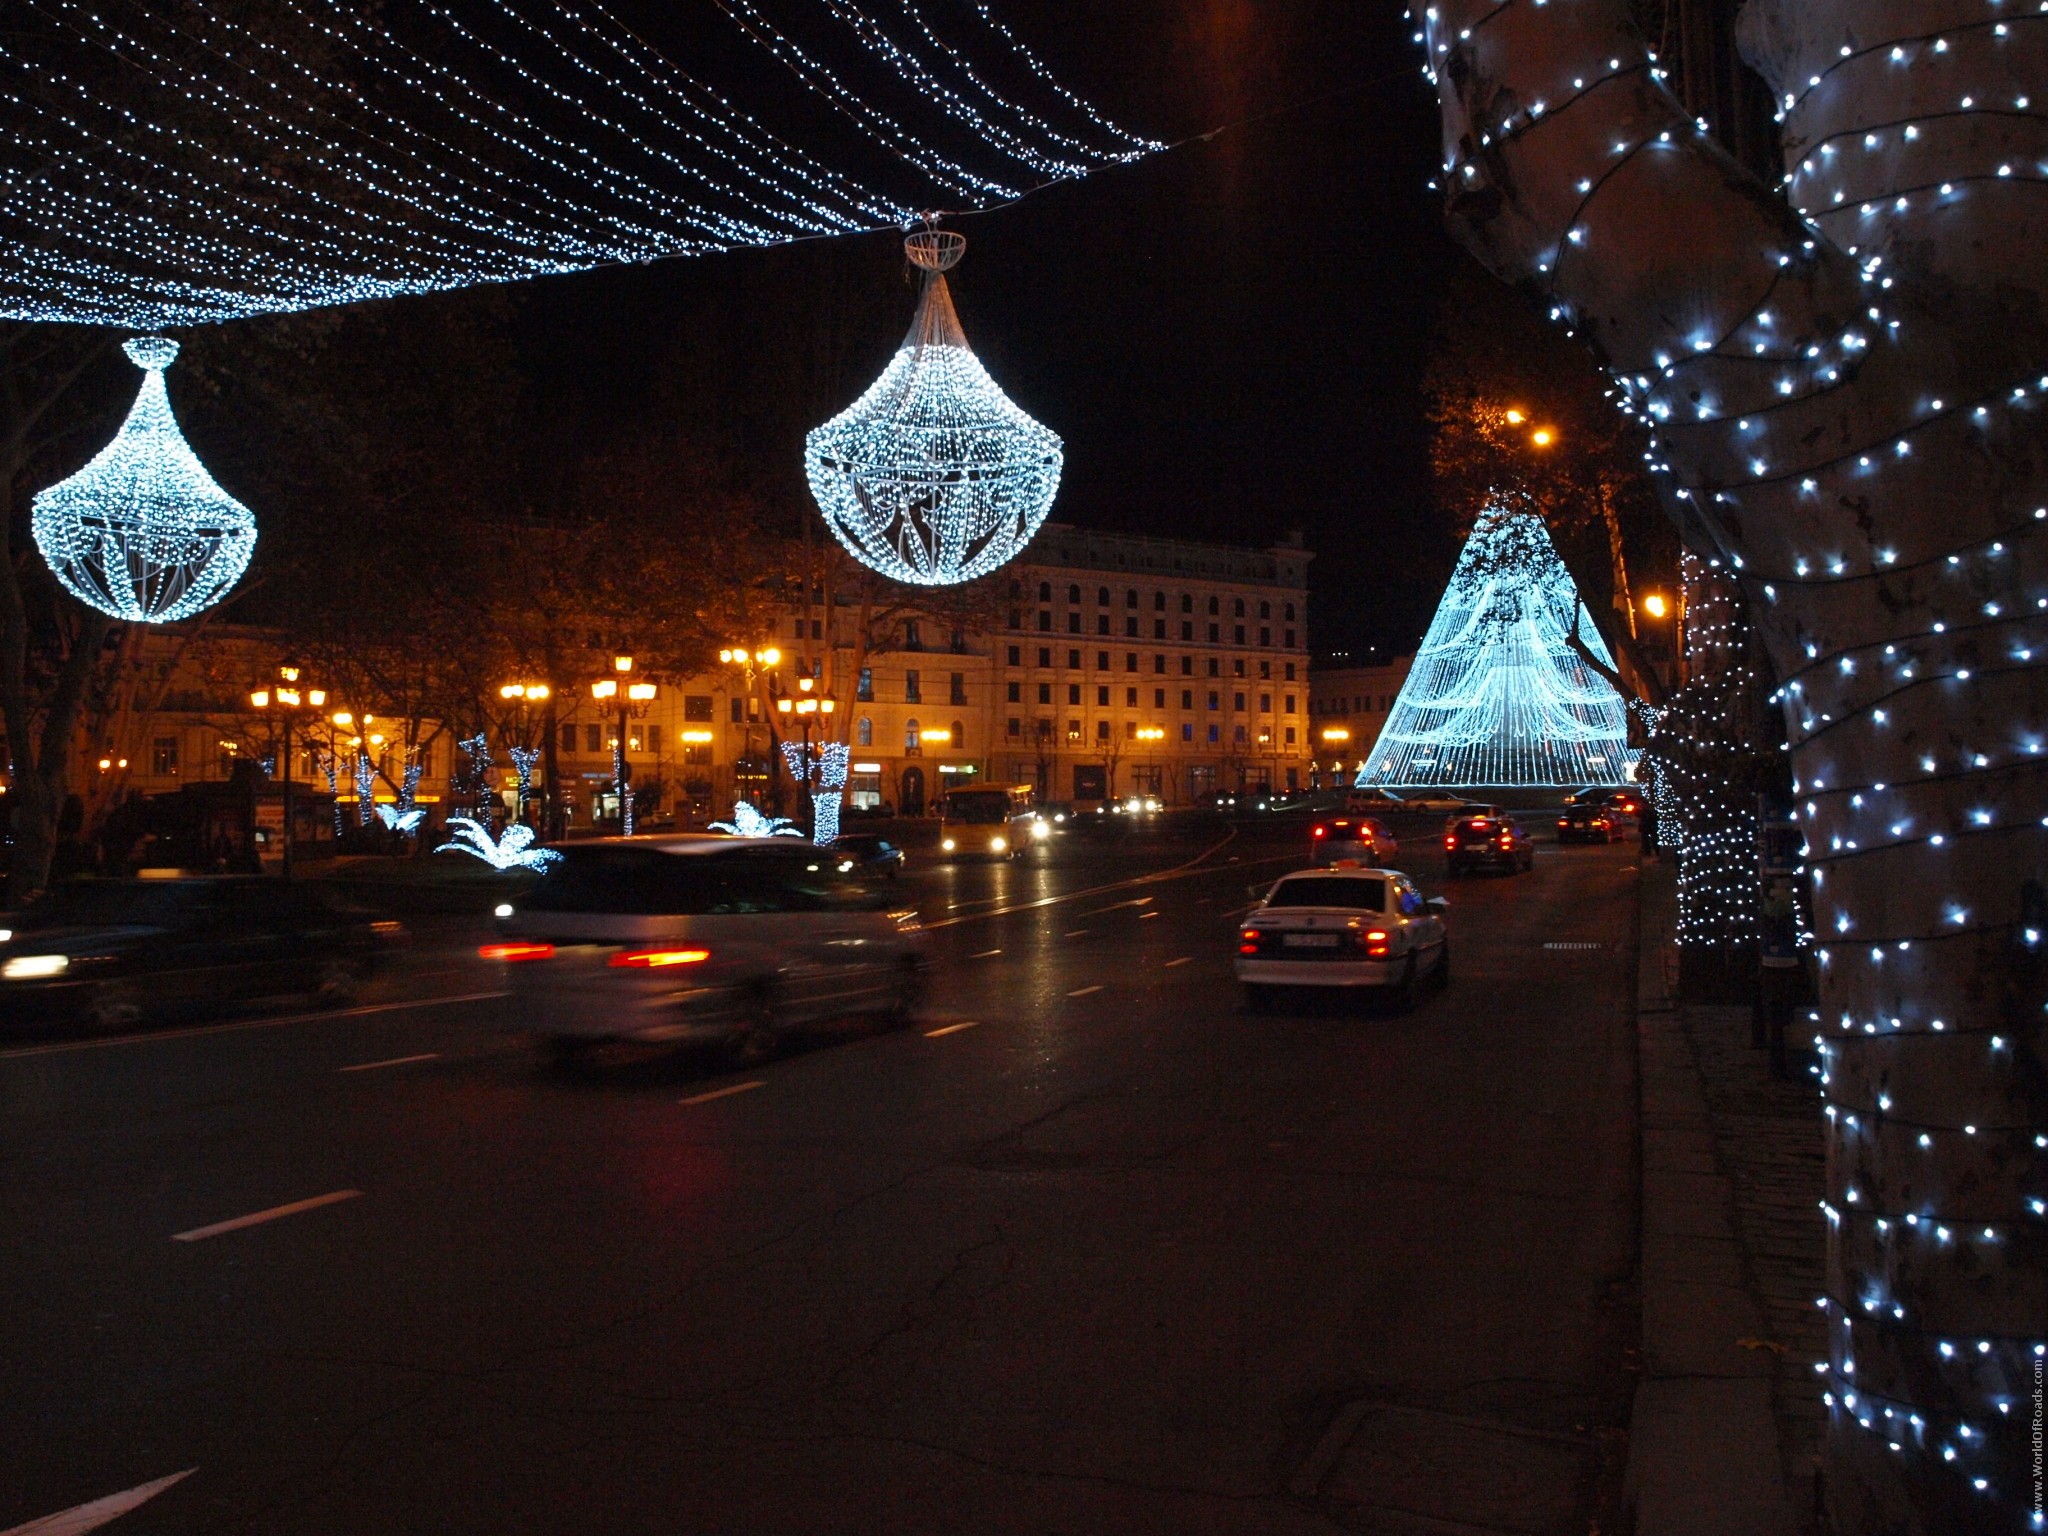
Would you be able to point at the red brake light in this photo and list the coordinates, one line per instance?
(649, 959)
(1450, 841)
(1373, 941)
(517, 951)
(1320, 832)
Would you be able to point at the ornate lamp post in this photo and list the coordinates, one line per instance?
(632, 701)
(807, 707)
(527, 697)
(286, 702)
(754, 665)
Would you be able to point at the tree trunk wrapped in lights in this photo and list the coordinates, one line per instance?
(1848, 396)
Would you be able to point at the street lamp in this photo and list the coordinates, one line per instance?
(529, 696)
(1656, 606)
(632, 700)
(287, 701)
(806, 707)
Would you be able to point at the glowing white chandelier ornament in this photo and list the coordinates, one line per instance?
(143, 532)
(1497, 696)
(934, 476)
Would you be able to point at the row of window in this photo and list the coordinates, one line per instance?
(1187, 698)
(1356, 704)
(1238, 609)
(1187, 663)
(1240, 735)
(1238, 632)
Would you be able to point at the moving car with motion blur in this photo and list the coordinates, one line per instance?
(115, 954)
(1369, 802)
(868, 856)
(1589, 824)
(1436, 800)
(1359, 839)
(1347, 928)
(1487, 842)
(988, 823)
(730, 941)
(1625, 802)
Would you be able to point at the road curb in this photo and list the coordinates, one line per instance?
(1703, 1457)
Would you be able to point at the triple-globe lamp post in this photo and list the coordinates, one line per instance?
(285, 703)
(631, 700)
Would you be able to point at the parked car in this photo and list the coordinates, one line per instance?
(1483, 842)
(1366, 802)
(732, 941)
(1222, 800)
(868, 856)
(1359, 839)
(1589, 824)
(114, 954)
(1349, 928)
(1435, 800)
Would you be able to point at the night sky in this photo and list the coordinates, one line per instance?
(1229, 336)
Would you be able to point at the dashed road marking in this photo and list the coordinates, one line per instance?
(258, 1218)
(1143, 915)
(984, 954)
(81, 1518)
(950, 1029)
(1075, 933)
(723, 1093)
(1183, 960)
(395, 1061)
(1084, 991)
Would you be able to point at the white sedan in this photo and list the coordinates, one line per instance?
(1342, 927)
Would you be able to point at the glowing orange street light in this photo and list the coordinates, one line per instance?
(1543, 437)
(1655, 605)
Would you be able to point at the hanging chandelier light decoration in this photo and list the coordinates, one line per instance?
(934, 476)
(143, 532)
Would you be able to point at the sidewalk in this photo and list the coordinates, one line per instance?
(1727, 1415)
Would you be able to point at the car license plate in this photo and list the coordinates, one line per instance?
(1309, 941)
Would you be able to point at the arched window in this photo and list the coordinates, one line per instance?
(959, 736)
(1102, 597)
(864, 732)
(1074, 593)
(1130, 597)
(1265, 610)
(1213, 609)
(913, 739)
(1045, 591)
(1238, 608)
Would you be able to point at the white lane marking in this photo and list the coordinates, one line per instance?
(1141, 901)
(1084, 991)
(1183, 960)
(90, 1517)
(1075, 933)
(395, 1061)
(1143, 915)
(1178, 872)
(149, 1037)
(984, 954)
(258, 1218)
(723, 1093)
(951, 1029)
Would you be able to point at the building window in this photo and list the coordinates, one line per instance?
(654, 738)
(1045, 693)
(1237, 634)
(1290, 735)
(1130, 730)
(1102, 597)
(1237, 702)
(1159, 602)
(1187, 733)
(1187, 698)
(913, 637)
(1265, 669)
(1044, 621)
(1265, 703)
(913, 739)
(1265, 636)
(1016, 693)
(864, 688)
(1289, 614)
(1073, 623)
(1187, 630)
(1045, 730)
(1239, 735)
(1074, 593)
(1187, 603)
(1131, 629)
(1237, 667)
(864, 732)
(1288, 639)
(1159, 665)
(1215, 633)
(1290, 671)
(1213, 608)
(1102, 624)
(957, 735)
(1130, 698)
(1237, 609)
(163, 757)
(956, 683)
(1073, 693)
(1016, 655)
(593, 738)
(1215, 734)
(1102, 730)
(1016, 619)
(1265, 610)
(569, 736)
(1215, 699)
(1159, 698)
(1215, 667)
(1045, 655)
(1290, 703)
(1131, 597)
(1015, 727)
(1159, 629)
(1187, 666)
(1102, 661)
(1073, 730)
(697, 707)
(697, 756)
(1102, 697)
(913, 687)
(1045, 591)
(1073, 661)
(738, 709)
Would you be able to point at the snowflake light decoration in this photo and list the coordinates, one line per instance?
(405, 823)
(143, 532)
(514, 850)
(748, 822)
(1497, 696)
(934, 476)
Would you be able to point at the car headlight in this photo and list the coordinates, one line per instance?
(33, 967)
(502, 909)
(999, 845)
(946, 845)
(1040, 829)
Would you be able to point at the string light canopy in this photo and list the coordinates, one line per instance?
(934, 476)
(178, 165)
(1497, 695)
(143, 532)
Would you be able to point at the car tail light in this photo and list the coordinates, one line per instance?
(1504, 840)
(517, 951)
(1248, 941)
(1373, 941)
(1450, 840)
(1563, 821)
(652, 959)
(1320, 832)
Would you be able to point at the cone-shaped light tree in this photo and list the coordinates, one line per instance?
(1848, 378)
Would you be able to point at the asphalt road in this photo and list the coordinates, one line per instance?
(1088, 1249)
